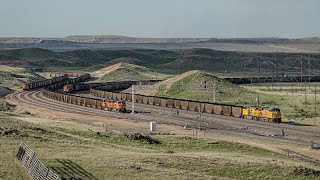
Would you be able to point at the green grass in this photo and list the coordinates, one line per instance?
(192, 87)
(73, 149)
(131, 74)
(160, 60)
(292, 105)
(12, 77)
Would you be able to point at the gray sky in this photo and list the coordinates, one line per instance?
(160, 18)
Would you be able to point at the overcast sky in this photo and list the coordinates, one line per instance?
(160, 18)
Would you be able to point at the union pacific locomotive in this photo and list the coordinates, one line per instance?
(258, 113)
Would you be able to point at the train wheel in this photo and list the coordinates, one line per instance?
(279, 120)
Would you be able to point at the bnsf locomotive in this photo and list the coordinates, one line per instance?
(113, 105)
(68, 88)
(107, 104)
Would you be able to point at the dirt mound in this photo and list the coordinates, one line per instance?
(107, 70)
(174, 79)
(167, 84)
(126, 72)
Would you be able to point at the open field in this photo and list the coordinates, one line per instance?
(295, 100)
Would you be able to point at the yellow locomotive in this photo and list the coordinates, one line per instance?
(258, 113)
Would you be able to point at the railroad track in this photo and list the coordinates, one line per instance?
(295, 134)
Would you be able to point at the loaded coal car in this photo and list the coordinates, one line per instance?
(44, 83)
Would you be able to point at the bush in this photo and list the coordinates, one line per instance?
(141, 137)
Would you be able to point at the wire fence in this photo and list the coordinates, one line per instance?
(34, 167)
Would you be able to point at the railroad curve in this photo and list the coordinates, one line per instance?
(294, 134)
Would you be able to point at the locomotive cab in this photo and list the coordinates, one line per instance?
(113, 105)
(25, 87)
(121, 106)
(274, 115)
(68, 88)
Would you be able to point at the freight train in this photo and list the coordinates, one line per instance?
(113, 85)
(44, 83)
(254, 113)
(116, 101)
(101, 103)
(69, 88)
(57, 81)
(257, 113)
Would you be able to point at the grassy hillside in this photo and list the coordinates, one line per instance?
(63, 145)
(161, 60)
(12, 77)
(125, 72)
(199, 85)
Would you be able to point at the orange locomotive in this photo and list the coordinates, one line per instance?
(107, 104)
(68, 88)
(113, 105)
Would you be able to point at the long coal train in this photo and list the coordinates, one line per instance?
(106, 90)
(256, 113)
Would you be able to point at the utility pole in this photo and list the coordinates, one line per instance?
(267, 68)
(259, 63)
(132, 99)
(291, 86)
(309, 70)
(301, 71)
(199, 124)
(272, 63)
(272, 83)
(214, 90)
(305, 93)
